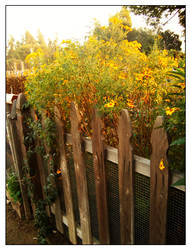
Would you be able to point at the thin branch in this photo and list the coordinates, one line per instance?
(171, 17)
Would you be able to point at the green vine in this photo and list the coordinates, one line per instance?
(46, 135)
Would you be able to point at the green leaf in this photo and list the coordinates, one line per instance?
(178, 141)
(179, 182)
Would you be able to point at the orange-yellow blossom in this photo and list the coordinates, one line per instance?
(130, 104)
(58, 171)
(110, 104)
(170, 111)
(161, 165)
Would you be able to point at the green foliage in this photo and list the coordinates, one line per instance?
(175, 118)
(144, 36)
(154, 13)
(169, 40)
(13, 187)
(17, 51)
(50, 189)
(42, 222)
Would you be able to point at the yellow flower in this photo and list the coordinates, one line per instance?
(161, 166)
(130, 104)
(110, 104)
(170, 111)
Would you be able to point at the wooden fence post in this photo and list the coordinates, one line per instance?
(58, 212)
(20, 152)
(100, 179)
(159, 177)
(10, 135)
(126, 181)
(66, 178)
(80, 172)
(21, 100)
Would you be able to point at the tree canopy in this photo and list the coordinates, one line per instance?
(154, 13)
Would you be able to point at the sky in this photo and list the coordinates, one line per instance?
(66, 22)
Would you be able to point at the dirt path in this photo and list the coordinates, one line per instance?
(23, 232)
(19, 232)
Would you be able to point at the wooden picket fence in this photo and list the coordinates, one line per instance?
(156, 168)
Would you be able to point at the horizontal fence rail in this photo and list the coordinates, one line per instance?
(142, 165)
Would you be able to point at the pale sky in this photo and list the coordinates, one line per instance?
(65, 22)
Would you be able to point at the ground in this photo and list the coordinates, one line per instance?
(23, 232)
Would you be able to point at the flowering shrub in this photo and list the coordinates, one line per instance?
(175, 117)
(109, 73)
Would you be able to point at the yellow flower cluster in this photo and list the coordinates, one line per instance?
(110, 104)
(170, 111)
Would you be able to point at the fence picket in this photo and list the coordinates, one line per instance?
(159, 177)
(58, 212)
(36, 192)
(100, 179)
(66, 178)
(18, 166)
(126, 174)
(81, 181)
(17, 131)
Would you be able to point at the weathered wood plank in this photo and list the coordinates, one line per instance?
(78, 229)
(20, 129)
(126, 181)
(142, 165)
(100, 179)
(58, 212)
(40, 165)
(80, 172)
(66, 178)
(11, 142)
(159, 177)
(16, 130)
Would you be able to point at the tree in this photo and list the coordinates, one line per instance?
(144, 36)
(169, 40)
(41, 42)
(119, 25)
(155, 13)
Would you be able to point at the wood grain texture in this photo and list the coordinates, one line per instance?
(159, 177)
(9, 137)
(100, 179)
(18, 136)
(58, 211)
(18, 167)
(142, 165)
(66, 178)
(126, 179)
(80, 172)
